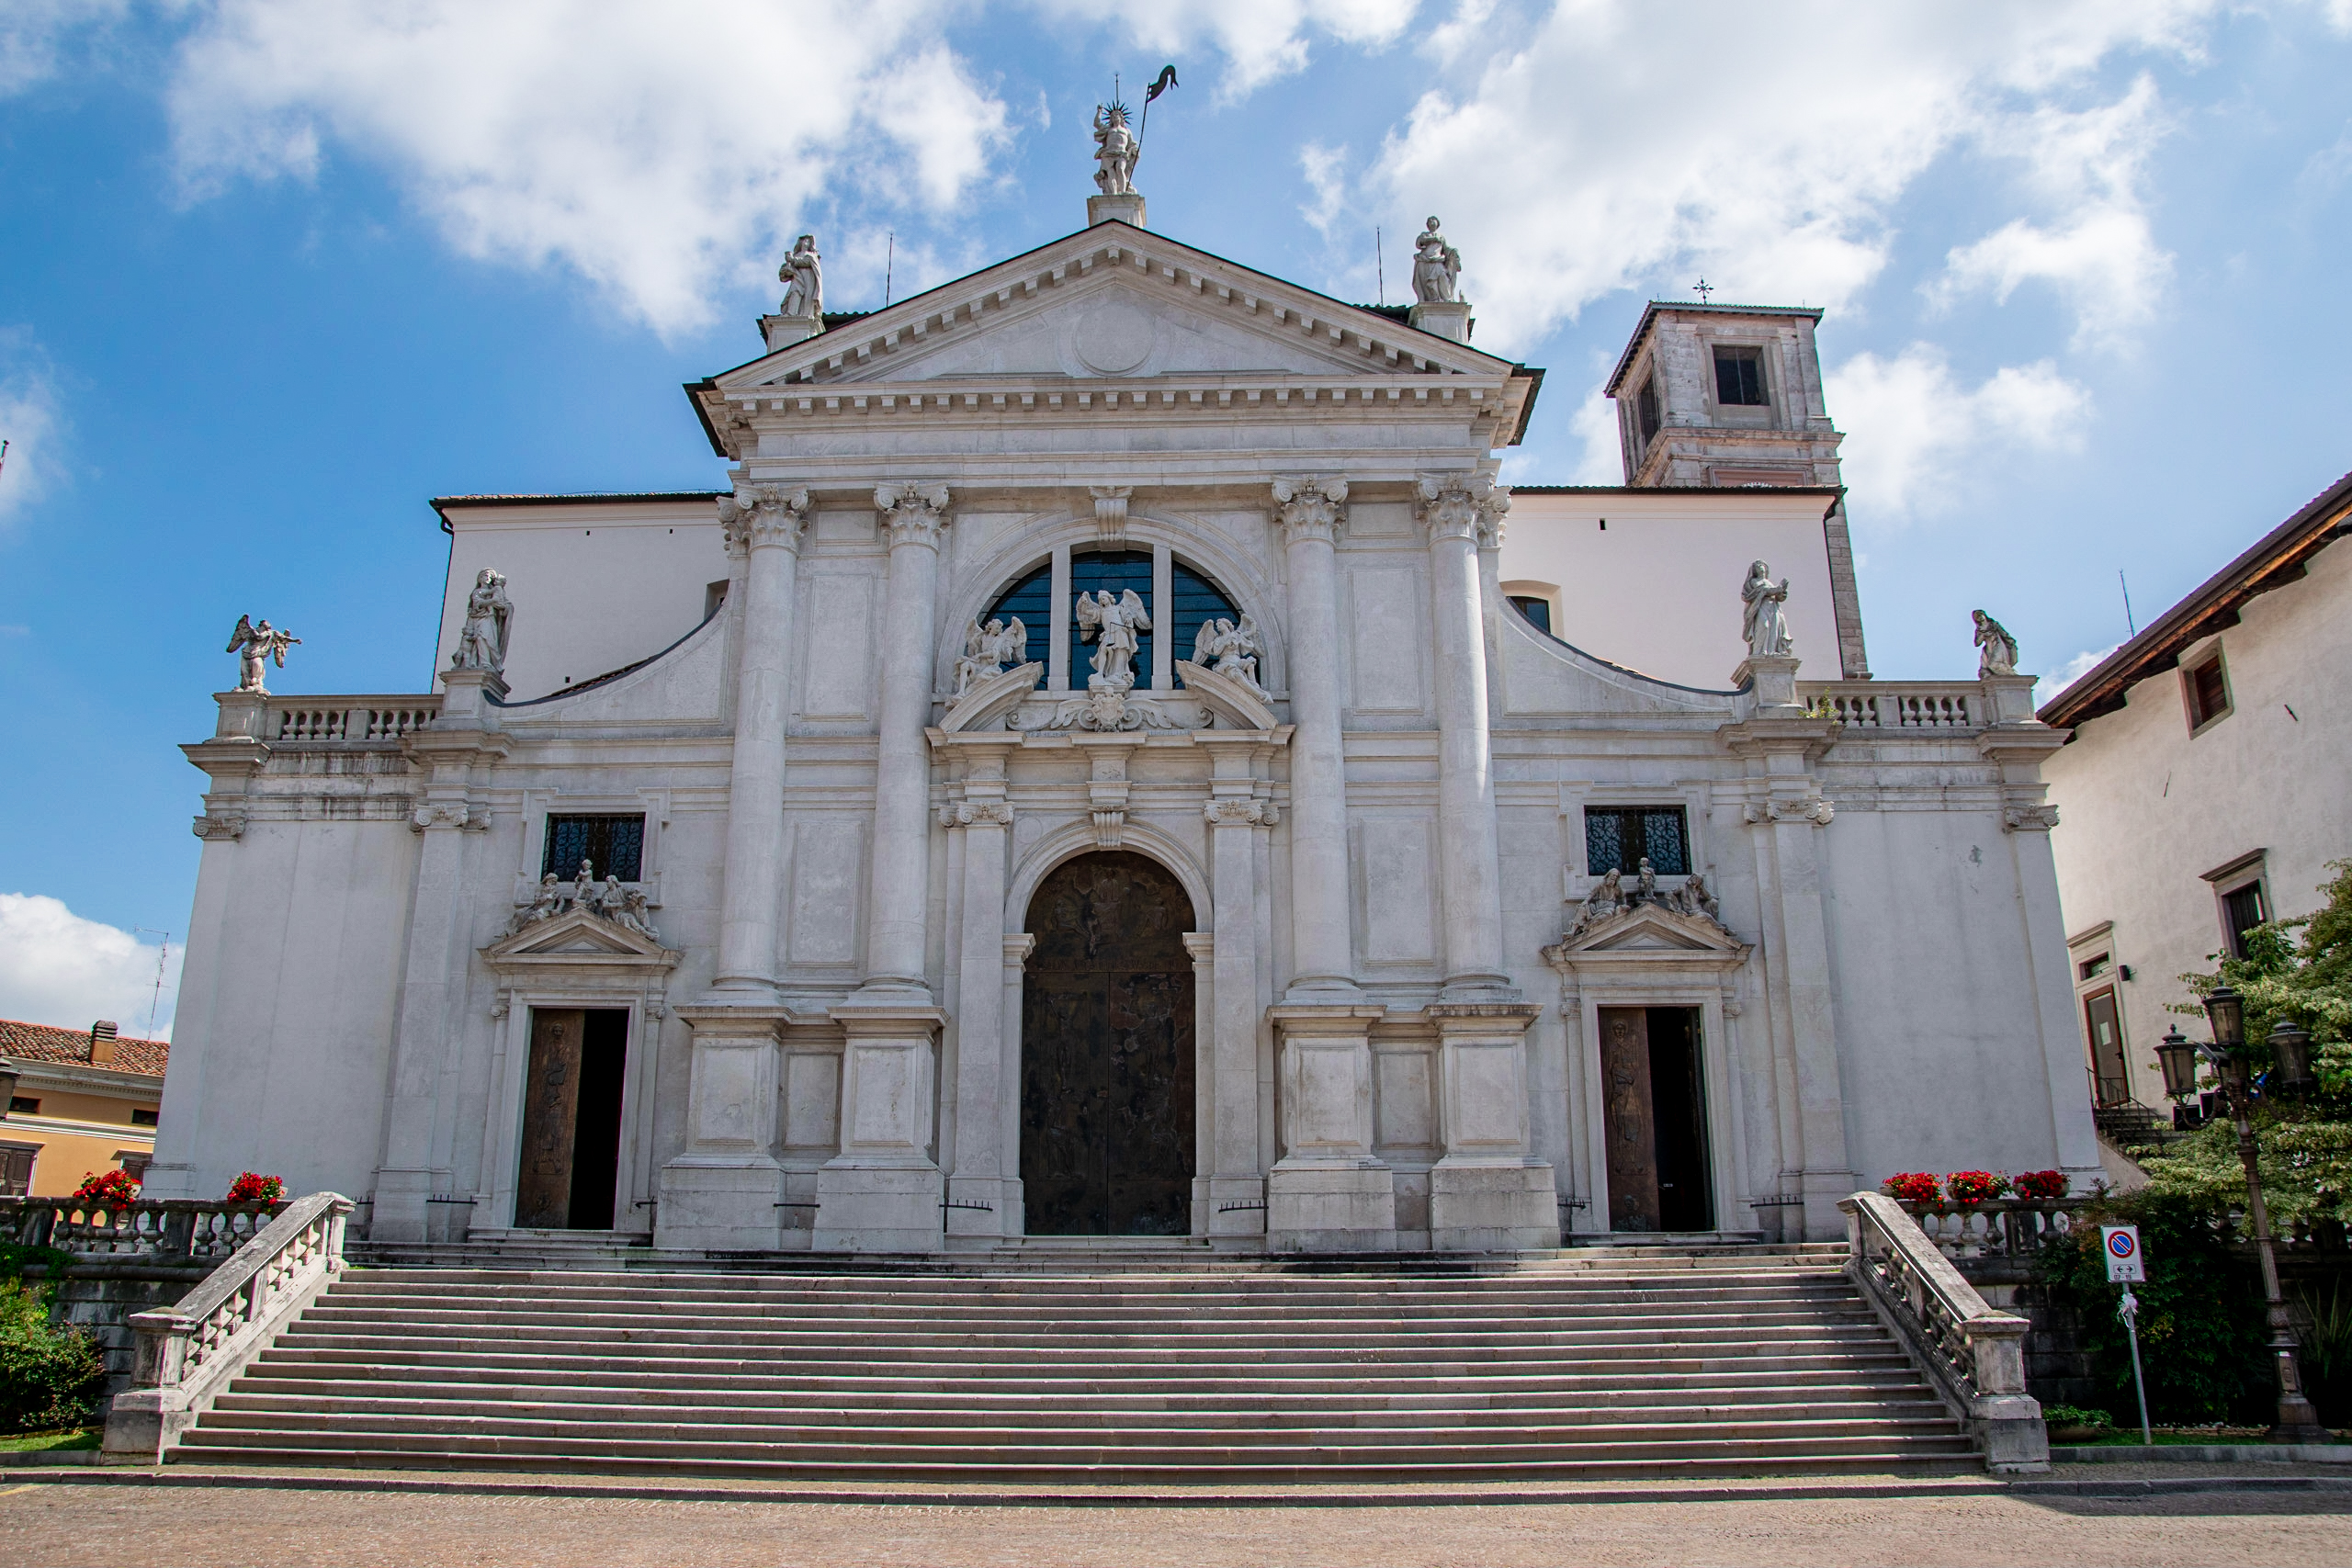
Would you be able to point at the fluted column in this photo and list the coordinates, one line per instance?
(1310, 512)
(763, 521)
(1454, 510)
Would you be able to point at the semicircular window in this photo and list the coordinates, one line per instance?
(1194, 600)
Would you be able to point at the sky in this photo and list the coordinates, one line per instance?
(273, 273)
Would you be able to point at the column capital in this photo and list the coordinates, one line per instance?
(915, 514)
(976, 813)
(1464, 505)
(757, 515)
(1240, 811)
(1310, 508)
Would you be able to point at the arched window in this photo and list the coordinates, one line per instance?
(1193, 598)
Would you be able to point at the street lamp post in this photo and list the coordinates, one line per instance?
(2298, 1422)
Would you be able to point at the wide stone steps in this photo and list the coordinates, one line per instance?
(1690, 1363)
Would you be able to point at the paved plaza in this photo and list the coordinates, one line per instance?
(124, 1526)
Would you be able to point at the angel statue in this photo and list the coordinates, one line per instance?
(1117, 620)
(2001, 655)
(258, 645)
(1114, 151)
(803, 277)
(1437, 268)
(488, 616)
(1229, 650)
(989, 648)
(1764, 622)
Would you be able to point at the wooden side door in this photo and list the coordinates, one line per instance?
(2111, 1077)
(1629, 1119)
(550, 1117)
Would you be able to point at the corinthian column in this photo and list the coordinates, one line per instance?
(720, 1189)
(1455, 509)
(883, 1191)
(763, 521)
(1310, 512)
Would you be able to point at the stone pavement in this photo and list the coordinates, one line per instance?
(121, 1526)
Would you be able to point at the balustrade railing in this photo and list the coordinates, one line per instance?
(1896, 704)
(1974, 1353)
(165, 1230)
(2016, 1228)
(328, 720)
(187, 1353)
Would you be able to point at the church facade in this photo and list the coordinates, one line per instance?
(1114, 759)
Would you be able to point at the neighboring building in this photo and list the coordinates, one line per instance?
(1281, 886)
(83, 1102)
(2205, 788)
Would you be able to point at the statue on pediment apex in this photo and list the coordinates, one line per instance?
(1116, 151)
(803, 277)
(1437, 268)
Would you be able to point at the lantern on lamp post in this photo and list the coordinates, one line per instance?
(2178, 1057)
(2298, 1422)
(2291, 1051)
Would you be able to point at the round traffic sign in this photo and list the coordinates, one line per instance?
(2122, 1243)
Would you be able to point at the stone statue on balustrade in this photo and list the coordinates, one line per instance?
(1437, 268)
(989, 649)
(1229, 650)
(256, 645)
(1112, 624)
(1116, 151)
(803, 277)
(2000, 650)
(1765, 622)
(490, 615)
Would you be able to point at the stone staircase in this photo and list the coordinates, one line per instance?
(1204, 1370)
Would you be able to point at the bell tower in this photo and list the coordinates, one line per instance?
(1726, 397)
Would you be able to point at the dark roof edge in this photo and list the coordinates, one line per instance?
(1534, 375)
(590, 498)
(1649, 315)
(2274, 560)
(1676, 489)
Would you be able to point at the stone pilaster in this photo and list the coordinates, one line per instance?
(1239, 823)
(1487, 1191)
(1328, 1192)
(418, 1125)
(984, 1194)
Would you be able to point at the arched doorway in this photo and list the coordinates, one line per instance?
(1106, 1052)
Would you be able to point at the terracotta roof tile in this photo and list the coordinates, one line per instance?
(39, 1042)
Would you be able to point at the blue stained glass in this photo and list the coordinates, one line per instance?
(1196, 600)
(1115, 571)
(1662, 842)
(1604, 843)
(614, 846)
(1031, 599)
(1618, 838)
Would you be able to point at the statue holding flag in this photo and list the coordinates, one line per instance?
(1115, 147)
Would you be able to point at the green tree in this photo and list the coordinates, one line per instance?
(50, 1377)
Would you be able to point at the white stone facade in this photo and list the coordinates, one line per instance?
(1394, 1045)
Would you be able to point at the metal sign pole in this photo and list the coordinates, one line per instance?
(2126, 1264)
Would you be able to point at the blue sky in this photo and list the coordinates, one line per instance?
(274, 272)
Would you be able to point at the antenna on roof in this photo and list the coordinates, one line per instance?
(2127, 624)
(890, 266)
(162, 958)
(1703, 288)
(1379, 264)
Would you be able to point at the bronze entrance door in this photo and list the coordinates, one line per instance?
(1654, 1115)
(1106, 1052)
(571, 1119)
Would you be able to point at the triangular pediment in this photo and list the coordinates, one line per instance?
(1109, 304)
(577, 937)
(1654, 932)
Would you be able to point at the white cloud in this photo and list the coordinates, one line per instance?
(2067, 673)
(32, 421)
(59, 969)
(1595, 427)
(2102, 256)
(1915, 431)
(1260, 39)
(1765, 148)
(1322, 167)
(608, 139)
(36, 34)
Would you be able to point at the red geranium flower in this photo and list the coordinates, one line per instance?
(252, 1189)
(1913, 1187)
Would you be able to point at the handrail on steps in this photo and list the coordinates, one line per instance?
(188, 1353)
(1974, 1353)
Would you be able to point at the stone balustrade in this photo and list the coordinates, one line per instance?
(1972, 1352)
(169, 1230)
(1944, 706)
(314, 721)
(189, 1352)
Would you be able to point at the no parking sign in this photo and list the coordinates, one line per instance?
(2124, 1263)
